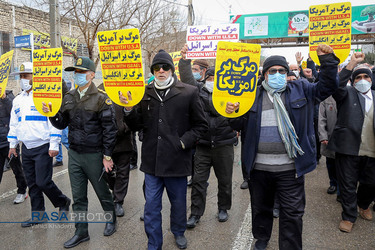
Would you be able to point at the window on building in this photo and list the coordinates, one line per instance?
(4, 42)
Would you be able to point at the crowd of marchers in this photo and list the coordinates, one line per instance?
(299, 114)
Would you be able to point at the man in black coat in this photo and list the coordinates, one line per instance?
(121, 156)
(193, 75)
(353, 140)
(215, 148)
(172, 120)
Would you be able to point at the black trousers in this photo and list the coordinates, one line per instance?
(317, 141)
(192, 162)
(331, 167)
(221, 158)
(350, 170)
(134, 154)
(16, 167)
(245, 175)
(37, 166)
(291, 193)
(119, 184)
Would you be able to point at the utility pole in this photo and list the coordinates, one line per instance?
(190, 14)
(54, 23)
(15, 63)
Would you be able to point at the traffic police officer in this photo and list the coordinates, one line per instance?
(92, 134)
(40, 143)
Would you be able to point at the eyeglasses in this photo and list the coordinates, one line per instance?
(165, 67)
(274, 71)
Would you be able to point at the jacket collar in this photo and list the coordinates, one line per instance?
(174, 90)
(258, 98)
(362, 102)
(91, 90)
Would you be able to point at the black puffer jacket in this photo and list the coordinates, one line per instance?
(123, 138)
(91, 121)
(219, 132)
(5, 108)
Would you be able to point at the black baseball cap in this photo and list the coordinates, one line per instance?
(83, 63)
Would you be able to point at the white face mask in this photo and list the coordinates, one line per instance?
(25, 84)
(362, 86)
(209, 86)
(165, 82)
(296, 72)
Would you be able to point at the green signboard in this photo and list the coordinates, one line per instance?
(296, 23)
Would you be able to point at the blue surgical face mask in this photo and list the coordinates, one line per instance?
(197, 75)
(277, 81)
(362, 86)
(80, 79)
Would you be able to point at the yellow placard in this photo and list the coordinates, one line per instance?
(121, 62)
(5, 63)
(236, 75)
(176, 56)
(304, 65)
(47, 79)
(330, 24)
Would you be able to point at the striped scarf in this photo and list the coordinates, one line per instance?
(284, 125)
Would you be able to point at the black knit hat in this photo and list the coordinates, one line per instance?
(274, 60)
(162, 57)
(361, 70)
(210, 72)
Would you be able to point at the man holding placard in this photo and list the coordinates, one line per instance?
(192, 74)
(280, 145)
(172, 120)
(92, 135)
(40, 143)
(214, 148)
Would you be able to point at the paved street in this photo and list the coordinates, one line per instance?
(320, 221)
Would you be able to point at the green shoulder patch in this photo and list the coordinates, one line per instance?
(108, 101)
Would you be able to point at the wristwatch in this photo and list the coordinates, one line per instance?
(107, 158)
